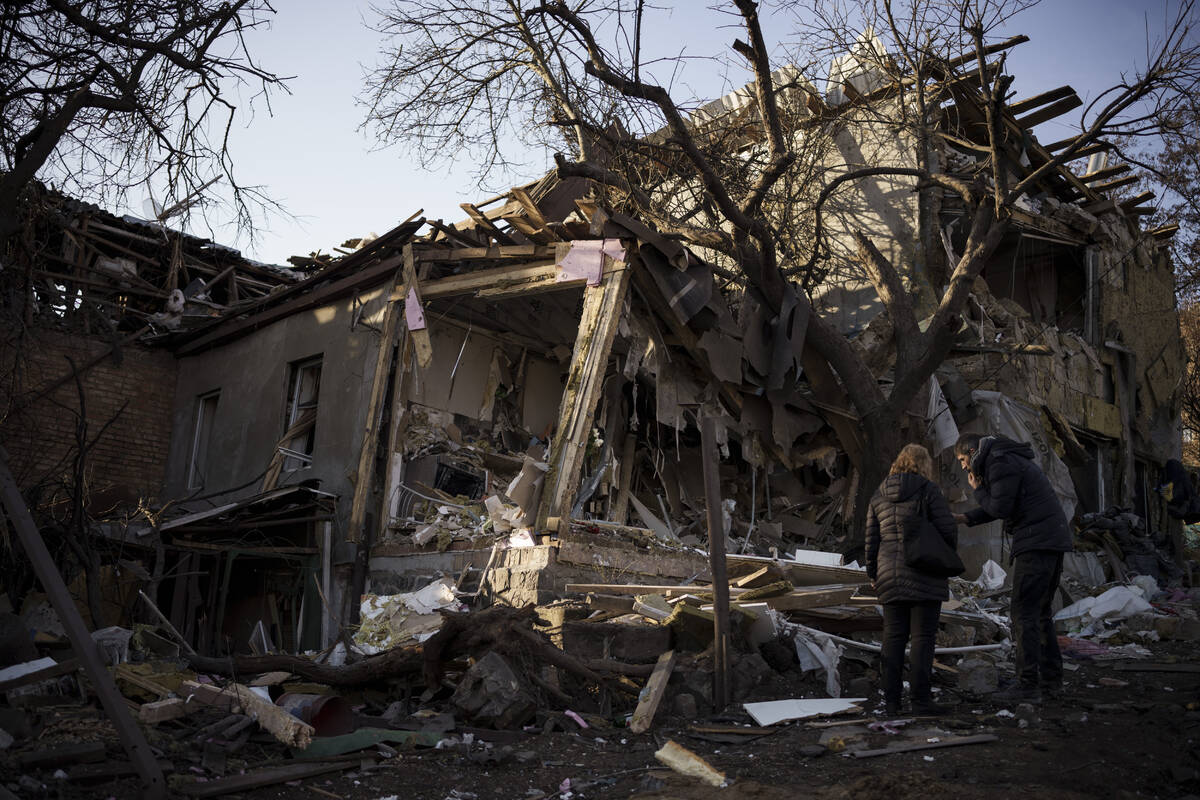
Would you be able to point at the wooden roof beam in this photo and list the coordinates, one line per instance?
(1021, 106)
(1137, 200)
(1056, 109)
(1117, 184)
(1107, 172)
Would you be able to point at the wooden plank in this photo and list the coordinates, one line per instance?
(956, 741)
(529, 207)
(263, 777)
(1107, 172)
(620, 512)
(163, 710)
(602, 307)
(419, 337)
(485, 224)
(501, 282)
(754, 577)
(1030, 103)
(495, 252)
(1137, 200)
(672, 590)
(382, 379)
(1051, 111)
(1108, 186)
(45, 757)
(44, 674)
(795, 601)
(652, 694)
(111, 769)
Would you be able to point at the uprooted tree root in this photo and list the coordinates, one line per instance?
(508, 631)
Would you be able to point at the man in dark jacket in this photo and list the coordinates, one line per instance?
(1010, 486)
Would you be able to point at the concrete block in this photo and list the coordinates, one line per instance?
(977, 676)
(640, 644)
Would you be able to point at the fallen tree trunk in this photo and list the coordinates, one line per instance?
(508, 631)
(389, 664)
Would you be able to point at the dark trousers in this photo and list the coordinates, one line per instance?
(899, 621)
(1035, 579)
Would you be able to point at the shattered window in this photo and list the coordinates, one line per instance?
(304, 385)
(206, 413)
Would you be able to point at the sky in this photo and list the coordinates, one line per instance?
(311, 154)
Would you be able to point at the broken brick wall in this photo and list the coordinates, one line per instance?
(129, 460)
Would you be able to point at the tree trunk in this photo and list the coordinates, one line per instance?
(884, 436)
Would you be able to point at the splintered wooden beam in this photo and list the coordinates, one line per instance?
(501, 282)
(1137, 200)
(1107, 172)
(532, 212)
(482, 221)
(1164, 232)
(379, 386)
(1140, 211)
(1117, 184)
(1028, 104)
(496, 252)
(1050, 112)
(412, 293)
(643, 716)
(602, 306)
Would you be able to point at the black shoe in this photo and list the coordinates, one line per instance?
(892, 709)
(1017, 694)
(1052, 690)
(928, 708)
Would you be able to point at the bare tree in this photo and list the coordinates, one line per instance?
(105, 95)
(465, 74)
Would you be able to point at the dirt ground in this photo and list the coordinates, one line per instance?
(1096, 740)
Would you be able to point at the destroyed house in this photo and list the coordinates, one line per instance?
(509, 405)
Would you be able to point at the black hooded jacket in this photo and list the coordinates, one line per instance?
(893, 510)
(1014, 488)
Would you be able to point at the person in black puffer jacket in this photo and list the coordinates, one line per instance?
(911, 600)
(1010, 486)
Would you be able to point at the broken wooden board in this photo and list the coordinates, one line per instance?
(324, 746)
(773, 712)
(815, 597)
(414, 314)
(51, 670)
(44, 758)
(653, 693)
(685, 762)
(283, 726)
(602, 305)
(954, 741)
(262, 777)
(163, 710)
(110, 769)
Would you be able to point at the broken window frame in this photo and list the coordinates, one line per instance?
(302, 396)
(202, 432)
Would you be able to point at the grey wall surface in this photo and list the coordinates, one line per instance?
(252, 375)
